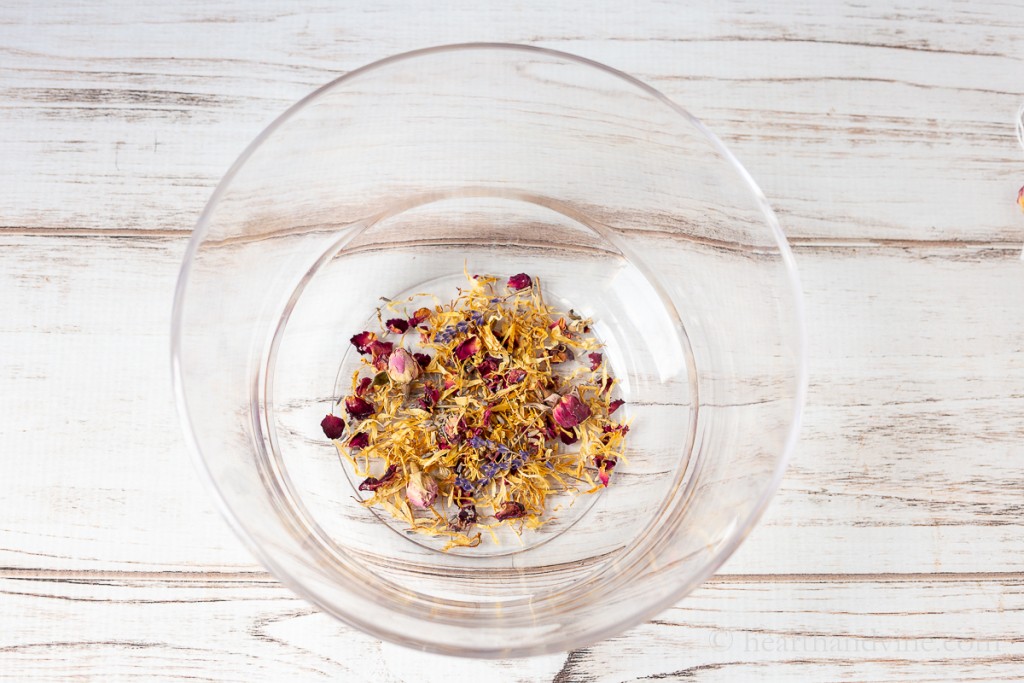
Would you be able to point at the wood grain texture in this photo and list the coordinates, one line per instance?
(124, 628)
(910, 107)
(883, 136)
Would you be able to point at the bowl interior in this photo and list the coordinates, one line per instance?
(398, 178)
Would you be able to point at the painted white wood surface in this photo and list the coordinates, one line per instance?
(883, 136)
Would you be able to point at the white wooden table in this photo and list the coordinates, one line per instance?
(882, 134)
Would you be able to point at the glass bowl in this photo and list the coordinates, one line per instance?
(498, 159)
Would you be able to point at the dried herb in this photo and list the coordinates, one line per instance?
(333, 426)
(473, 407)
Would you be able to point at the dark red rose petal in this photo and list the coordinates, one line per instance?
(570, 411)
(419, 316)
(430, 396)
(520, 281)
(487, 366)
(397, 325)
(615, 405)
(333, 426)
(381, 353)
(608, 382)
(465, 519)
(362, 341)
(380, 348)
(374, 483)
(360, 440)
(515, 376)
(605, 467)
(363, 385)
(595, 360)
(615, 429)
(510, 509)
(422, 358)
(467, 349)
(358, 408)
(568, 437)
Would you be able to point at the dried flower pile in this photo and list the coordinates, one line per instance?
(474, 413)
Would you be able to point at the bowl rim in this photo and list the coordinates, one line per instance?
(737, 536)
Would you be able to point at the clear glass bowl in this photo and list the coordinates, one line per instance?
(501, 159)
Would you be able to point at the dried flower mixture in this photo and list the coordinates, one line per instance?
(467, 411)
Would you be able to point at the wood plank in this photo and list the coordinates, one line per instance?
(127, 628)
(909, 458)
(859, 121)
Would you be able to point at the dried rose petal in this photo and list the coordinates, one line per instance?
(515, 376)
(465, 519)
(487, 366)
(359, 441)
(430, 396)
(467, 349)
(550, 430)
(615, 429)
(608, 383)
(397, 325)
(363, 385)
(595, 360)
(520, 281)
(604, 468)
(510, 509)
(421, 490)
(615, 405)
(358, 408)
(333, 426)
(381, 352)
(419, 316)
(560, 354)
(449, 382)
(455, 428)
(570, 411)
(374, 483)
(402, 367)
(362, 341)
(568, 437)
(422, 358)
(380, 348)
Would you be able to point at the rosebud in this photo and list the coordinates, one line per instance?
(570, 411)
(402, 367)
(421, 490)
(520, 281)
